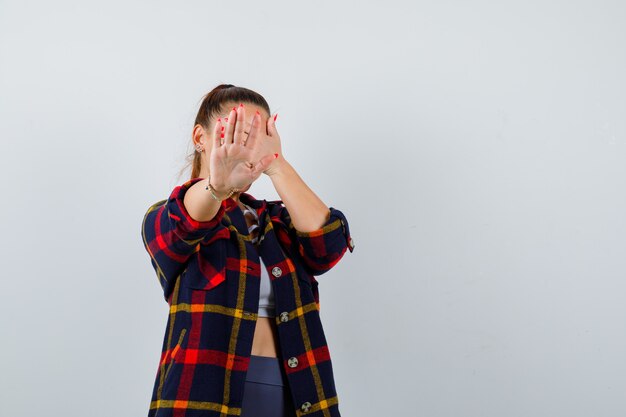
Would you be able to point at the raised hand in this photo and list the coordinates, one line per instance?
(237, 160)
(266, 142)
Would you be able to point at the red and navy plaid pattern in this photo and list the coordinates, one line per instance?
(210, 276)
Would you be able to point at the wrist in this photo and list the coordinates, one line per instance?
(278, 167)
(218, 193)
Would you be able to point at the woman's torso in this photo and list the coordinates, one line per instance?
(265, 340)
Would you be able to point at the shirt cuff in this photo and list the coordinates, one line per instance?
(185, 226)
(332, 236)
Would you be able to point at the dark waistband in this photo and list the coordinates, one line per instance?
(266, 370)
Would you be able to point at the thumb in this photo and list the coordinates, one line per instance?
(263, 164)
(271, 125)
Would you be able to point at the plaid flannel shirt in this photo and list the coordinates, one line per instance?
(210, 275)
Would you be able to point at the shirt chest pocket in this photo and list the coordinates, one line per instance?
(207, 268)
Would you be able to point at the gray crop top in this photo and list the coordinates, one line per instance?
(266, 294)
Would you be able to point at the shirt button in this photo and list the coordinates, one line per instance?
(284, 316)
(292, 362)
(305, 406)
(276, 271)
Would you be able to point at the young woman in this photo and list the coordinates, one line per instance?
(243, 335)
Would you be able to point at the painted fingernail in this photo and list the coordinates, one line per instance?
(219, 119)
(275, 116)
(257, 112)
(235, 108)
(240, 104)
(226, 118)
(222, 128)
(222, 135)
(275, 155)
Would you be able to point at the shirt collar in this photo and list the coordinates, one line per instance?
(258, 205)
(237, 219)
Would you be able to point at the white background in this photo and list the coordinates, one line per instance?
(476, 147)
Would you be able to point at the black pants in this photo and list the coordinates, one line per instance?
(266, 392)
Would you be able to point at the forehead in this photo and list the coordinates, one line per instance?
(248, 108)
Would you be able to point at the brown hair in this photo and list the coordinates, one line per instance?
(213, 104)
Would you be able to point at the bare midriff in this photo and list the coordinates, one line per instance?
(265, 341)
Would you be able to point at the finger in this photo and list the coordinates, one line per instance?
(218, 133)
(263, 164)
(271, 126)
(230, 126)
(255, 130)
(240, 126)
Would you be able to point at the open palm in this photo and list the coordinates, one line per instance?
(241, 158)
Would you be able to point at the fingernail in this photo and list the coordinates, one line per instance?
(235, 108)
(240, 104)
(275, 155)
(275, 116)
(222, 128)
(257, 112)
(226, 118)
(222, 135)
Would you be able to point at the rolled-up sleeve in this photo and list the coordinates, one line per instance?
(323, 248)
(170, 235)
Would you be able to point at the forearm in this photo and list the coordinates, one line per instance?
(306, 210)
(199, 203)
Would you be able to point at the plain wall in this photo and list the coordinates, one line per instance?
(476, 147)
